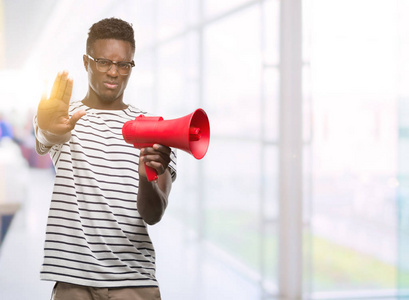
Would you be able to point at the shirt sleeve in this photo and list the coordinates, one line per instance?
(45, 140)
(172, 164)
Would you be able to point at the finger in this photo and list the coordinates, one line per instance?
(157, 158)
(160, 168)
(63, 85)
(150, 151)
(68, 90)
(56, 86)
(157, 153)
(43, 104)
(76, 116)
(146, 150)
(162, 148)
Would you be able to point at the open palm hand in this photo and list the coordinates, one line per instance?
(52, 113)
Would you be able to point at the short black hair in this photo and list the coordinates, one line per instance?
(110, 28)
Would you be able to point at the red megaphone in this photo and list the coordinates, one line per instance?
(190, 133)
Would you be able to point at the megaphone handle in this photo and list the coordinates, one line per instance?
(151, 173)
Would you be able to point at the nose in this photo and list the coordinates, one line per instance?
(113, 71)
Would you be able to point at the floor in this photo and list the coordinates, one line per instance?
(185, 269)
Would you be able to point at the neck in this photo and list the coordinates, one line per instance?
(93, 101)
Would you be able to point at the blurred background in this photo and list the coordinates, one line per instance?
(303, 192)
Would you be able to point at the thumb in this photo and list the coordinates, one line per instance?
(76, 116)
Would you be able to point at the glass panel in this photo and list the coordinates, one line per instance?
(232, 74)
(307, 104)
(271, 22)
(171, 17)
(354, 147)
(403, 125)
(192, 11)
(178, 76)
(307, 9)
(191, 71)
(271, 108)
(144, 23)
(170, 77)
(141, 83)
(232, 199)
(215, 7)
(187, 198)
(307, 214)
(403, 196)
(269, 212)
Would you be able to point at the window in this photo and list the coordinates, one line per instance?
(224, 56)
(354, 157)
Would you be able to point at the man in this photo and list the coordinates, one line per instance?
(97, 245)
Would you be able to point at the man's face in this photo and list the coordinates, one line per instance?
(109, 86)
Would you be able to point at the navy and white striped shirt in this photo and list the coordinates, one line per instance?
(95, 235)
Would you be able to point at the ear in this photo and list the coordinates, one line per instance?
(85, 59)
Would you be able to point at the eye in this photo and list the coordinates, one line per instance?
(124, 65)
(103, 62)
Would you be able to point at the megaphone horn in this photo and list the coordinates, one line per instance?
(190, 133)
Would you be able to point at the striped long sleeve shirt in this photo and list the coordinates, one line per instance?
(95, 235)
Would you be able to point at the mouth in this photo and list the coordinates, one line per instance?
(111, 85)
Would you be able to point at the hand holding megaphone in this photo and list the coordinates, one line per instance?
(190, 133)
